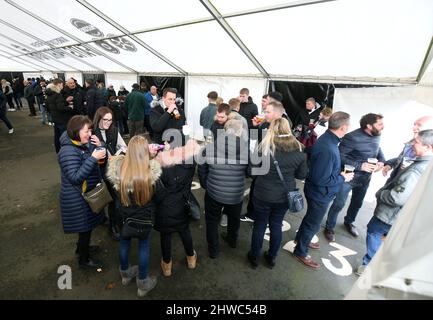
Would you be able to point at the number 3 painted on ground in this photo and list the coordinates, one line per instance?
(346, 268)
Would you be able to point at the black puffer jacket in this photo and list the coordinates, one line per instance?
(224, 171)
(270, 188)
(172, 214)
(94, 100)
(249, 110)
(60, 112)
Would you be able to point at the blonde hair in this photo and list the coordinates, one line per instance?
(135, 173)
(218, 101)
(279, 137)
(327, 112)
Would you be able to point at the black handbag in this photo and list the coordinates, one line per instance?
(294, 198)
(136, 228)
(193, 207)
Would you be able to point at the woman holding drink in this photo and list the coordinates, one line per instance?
(78, 159)
(111, 139)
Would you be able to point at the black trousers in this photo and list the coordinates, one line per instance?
(9, 99)
(185, 236)
(31, 103)
(59, 128)
(213, 210)
(83, 246)
(250, 206)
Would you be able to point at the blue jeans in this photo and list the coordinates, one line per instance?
(17, 98)
(310, 225)
(264, 213)
(359, 187)
(143, 255)
(375, 230)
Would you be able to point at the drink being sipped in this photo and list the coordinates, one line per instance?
(260, 118)
(176, 114)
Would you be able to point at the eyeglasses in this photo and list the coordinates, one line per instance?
(107, 120)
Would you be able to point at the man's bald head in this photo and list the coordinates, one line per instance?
(423, 123)
(71, 83)
(153, 90)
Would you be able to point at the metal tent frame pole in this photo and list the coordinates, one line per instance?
(12, 3)
(130, 35)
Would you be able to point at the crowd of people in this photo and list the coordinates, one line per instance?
(150, 177)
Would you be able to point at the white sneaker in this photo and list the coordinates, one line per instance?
(12, 110)
(11, 131)
(223, 222)
(244, 218)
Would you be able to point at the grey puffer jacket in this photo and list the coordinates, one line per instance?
(225, 168)
(397, 190)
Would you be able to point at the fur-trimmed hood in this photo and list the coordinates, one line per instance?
(53, 88)
(113, 171)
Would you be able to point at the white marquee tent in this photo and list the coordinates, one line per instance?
(221, 45)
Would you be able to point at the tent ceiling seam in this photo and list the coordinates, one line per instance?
(25, 46)
(12, 3)
(52, 47)
(15, 59)
(128, 33)
(228, 29)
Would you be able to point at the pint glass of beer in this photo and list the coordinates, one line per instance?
(348, 168)
(102, 161)
(372, 161)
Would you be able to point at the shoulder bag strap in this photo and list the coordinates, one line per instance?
(279, 171)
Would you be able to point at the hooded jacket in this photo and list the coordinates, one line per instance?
(397, 190)
(135, 211)
(249, 110)
(79, 172)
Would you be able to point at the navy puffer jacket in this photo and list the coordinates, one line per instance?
(77, 165)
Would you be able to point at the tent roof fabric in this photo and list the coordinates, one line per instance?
(352, 40)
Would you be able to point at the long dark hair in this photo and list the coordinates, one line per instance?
(100, 113)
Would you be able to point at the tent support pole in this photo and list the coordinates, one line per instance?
(228, 29)
(426, 62)
(128, 33)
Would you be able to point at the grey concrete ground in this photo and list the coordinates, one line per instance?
(33, 245)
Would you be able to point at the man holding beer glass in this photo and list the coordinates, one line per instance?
(360, 153)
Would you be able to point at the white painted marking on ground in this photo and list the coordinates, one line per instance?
(286, 227)
(345, 269)
(195, 185)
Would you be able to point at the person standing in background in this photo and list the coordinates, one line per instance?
(248, 108)
(30, 97)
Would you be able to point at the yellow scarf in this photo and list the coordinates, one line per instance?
(84, 186)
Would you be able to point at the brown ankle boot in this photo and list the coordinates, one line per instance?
(192, 261)
(166, 268)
